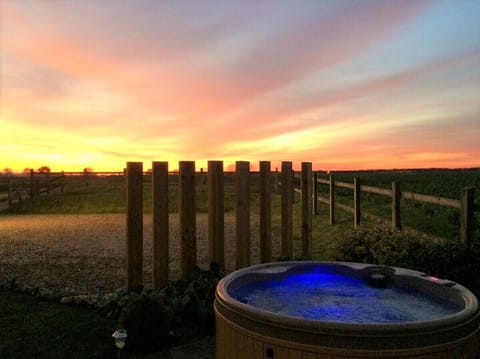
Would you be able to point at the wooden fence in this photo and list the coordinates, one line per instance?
(466, 204)
(29, 185)
(215, 184)
(18, 187)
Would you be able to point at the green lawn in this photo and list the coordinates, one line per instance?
(30, 328)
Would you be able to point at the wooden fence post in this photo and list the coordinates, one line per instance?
(10, 189)
(124, 182)
(396, 219)
(85, 177)
(187, 210)
(356, 202)
(32, 183)
(276, 180)
(243, 214)
(315, 193)
(160, 225)
(216, 221)
(332, 198)
(306, 210)
(287, 210)
(134, 226)
(265, 212)
(466, 215)
(47, 179)
(62, 181)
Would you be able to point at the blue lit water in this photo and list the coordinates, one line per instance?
(340, 298)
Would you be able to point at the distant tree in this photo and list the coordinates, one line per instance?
(44, 169)
(88, 170)
(7, 171)
(27, 170)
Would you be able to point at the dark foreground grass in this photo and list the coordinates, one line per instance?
(35, 329)
(30, 328)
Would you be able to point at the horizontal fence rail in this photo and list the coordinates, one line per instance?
(455, 203)
(466, 204)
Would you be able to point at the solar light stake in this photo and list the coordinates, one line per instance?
(120, 337)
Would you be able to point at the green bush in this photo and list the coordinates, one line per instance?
(386, 246)
(191, 303)
(460, 263)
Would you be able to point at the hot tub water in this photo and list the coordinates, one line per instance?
(337, 297)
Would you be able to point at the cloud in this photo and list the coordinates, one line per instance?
(294, 52)
(160, 65)
(283, 113)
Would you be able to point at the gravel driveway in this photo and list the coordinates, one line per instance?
(85, 254)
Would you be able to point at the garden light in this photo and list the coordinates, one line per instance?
(120, 336)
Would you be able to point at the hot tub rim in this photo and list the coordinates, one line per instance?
(470, 312)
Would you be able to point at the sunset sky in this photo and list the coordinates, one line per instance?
(342, 84)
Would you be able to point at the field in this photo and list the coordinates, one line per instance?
(105, 194)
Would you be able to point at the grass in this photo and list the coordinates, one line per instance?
(432, 219)
(30, 328)
(98, 195)
(106, 195)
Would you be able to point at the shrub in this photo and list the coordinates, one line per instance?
(183, 310)
(460, 263)
(147, 322)
(191, 303)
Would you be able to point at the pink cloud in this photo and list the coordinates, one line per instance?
(164, 74)
(317, 43)
(269, 120)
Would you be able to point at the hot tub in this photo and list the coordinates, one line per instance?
(343, 310)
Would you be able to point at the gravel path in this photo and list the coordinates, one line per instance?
(85, 254)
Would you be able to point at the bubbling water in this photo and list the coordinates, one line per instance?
(341, 298)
